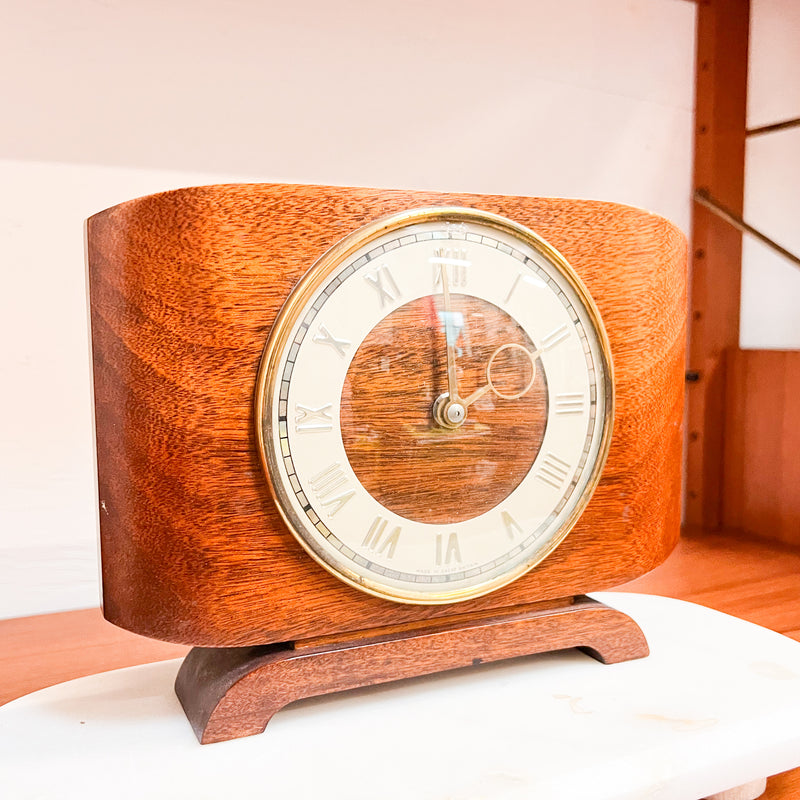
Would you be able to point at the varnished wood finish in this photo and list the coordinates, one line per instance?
(184, 288)
(749, 578)
(762, 442)
(783, 787)
(50, 648)
(720, 106)
(228, 693)
(413, 466)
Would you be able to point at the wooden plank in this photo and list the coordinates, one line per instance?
(721, 94)
(51, 648)
(762, 439)
(783, 787)
(790, 447)
(745, 577)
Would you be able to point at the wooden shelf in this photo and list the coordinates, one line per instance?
(51, 648)
(747, 578)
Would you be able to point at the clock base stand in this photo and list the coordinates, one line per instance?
(230, 692)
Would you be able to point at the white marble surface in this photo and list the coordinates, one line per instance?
(717, 704)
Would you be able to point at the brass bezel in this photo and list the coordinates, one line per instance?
(295, 306)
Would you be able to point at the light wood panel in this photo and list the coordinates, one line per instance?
(50, 648)
(720, 98)
(762, 444)
(752, 579)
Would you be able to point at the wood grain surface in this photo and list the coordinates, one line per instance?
(749, 578)
(47, 649)
(762, 442)
(228, 693)
(413, 466)
(184, 287)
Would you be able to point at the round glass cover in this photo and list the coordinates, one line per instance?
(434, 405)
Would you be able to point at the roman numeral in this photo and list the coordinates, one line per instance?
(384, 284)
(455, 261)
(308, 419)
(555, 337)
(326, 486)
(377, 542)
(451, 552)
(324, 336)
(513, 528)
(569, 403)
(553, 471)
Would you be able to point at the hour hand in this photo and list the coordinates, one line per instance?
(489, 386)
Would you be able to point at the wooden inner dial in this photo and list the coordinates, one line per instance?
(415, 467)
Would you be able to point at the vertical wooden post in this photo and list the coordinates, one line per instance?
(720, 119)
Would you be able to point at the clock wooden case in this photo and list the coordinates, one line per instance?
(184, 289)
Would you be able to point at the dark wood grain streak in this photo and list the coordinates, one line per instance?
(184, 287)
(228, 693)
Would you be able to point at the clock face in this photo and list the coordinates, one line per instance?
(434, 405)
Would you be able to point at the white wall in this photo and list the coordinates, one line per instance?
(770, 312)
(107, 101)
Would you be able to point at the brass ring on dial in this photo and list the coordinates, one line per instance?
(349, 532)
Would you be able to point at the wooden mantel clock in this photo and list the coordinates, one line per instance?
(346, 436)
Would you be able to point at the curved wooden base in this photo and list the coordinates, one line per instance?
(232, 692)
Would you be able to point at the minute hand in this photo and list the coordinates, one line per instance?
(452, 377)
